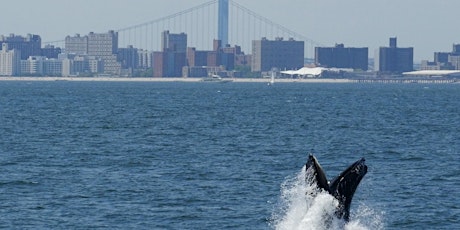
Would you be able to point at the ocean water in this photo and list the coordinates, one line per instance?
(121, 155)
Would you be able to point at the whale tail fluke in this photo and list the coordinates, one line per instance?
(315, 174)
(342, 187)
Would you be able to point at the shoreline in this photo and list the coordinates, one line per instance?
(175, 79)
(236, 80)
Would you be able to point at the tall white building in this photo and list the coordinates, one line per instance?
(10, 61)
(33, 65)
(76, 45)
(41, 66)
(104, 46)
(98, 47)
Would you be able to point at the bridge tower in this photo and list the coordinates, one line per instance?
(223, 21)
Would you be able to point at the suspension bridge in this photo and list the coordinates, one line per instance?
(226, 20)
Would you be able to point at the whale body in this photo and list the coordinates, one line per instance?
(342, 187)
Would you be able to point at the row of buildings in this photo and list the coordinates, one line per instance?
(177, 59)
(99, 54)
(444, 60)
(89, 55)
(12, 65)
(387, 60)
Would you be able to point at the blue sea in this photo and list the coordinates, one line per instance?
(146, 155)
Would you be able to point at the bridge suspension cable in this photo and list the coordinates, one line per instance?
(281, 31)
(169, 16)
(200, 25)
(270, 22)
(197, 22)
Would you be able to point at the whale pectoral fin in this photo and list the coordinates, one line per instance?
(343, 187)
(315, 173)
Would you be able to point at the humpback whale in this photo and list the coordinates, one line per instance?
(342, 187)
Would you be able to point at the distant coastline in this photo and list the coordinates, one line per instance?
(169, 79)
(236, 80)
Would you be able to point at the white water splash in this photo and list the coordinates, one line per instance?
(304, 206)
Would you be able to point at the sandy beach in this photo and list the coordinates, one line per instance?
(128, 79)
(235, 80)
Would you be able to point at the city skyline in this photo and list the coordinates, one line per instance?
(356, 23)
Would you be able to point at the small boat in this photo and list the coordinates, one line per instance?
(216, 78)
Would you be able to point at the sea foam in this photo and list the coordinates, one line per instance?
(304, 206)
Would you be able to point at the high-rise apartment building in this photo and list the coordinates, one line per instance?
(99, 47)
(170, 61)
(76, 45)
(174, 42)
(144, 59)
(32, 66)
(456, 49)
(50, 51)
(105, 46)
(444, 60)
(30, 45)
(128, 57)
(441, 57)
(10, 61)
(168, 64)
(393, 59)
(454, 57)
(52, 67)
(41, 66)
(454, 60)
(279, 54)
(221, 60)
(341, 57)
(102, 44)
(74, 65)
(197, 57)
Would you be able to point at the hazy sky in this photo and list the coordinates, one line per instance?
(426, 25)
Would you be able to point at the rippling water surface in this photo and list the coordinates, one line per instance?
(223, 156)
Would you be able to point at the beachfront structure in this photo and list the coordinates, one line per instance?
(341, 57)
(32, 66)
(41, 66)
(278, 53)
(394, 59)
(10, 61)
(80, 65)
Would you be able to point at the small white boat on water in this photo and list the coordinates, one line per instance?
(215, 78)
